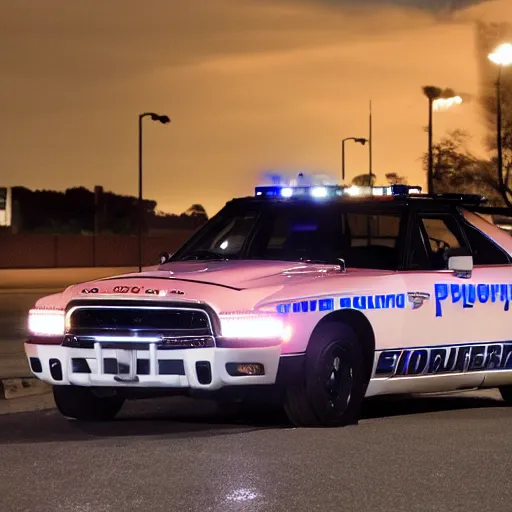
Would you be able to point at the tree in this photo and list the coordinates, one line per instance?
(73, 212)
(455, 169)
(196, 210)
(395, 179)
(363, 180)
(195, 216)
(489, 37)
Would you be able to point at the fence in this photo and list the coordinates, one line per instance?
(67, 251)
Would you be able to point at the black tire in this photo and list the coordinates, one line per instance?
(80, 403)
(506, 394)
(333, 388)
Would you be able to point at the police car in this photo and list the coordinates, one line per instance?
(308, 297)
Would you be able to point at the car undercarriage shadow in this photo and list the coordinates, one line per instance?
(139, 418)
(406, 405)
(191, 418)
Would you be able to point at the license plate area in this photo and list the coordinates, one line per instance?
(121, 363)
(126, 362)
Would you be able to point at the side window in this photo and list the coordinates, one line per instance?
(378, 229)
(419, 257)
(485, 252)
(371, 240)
(440, 233)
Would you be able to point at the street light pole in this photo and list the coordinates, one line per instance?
(499, 137)
(359, 140)
(370, 146)
(343, 160)
(430, 171)
(164, 120)
(432, 93)
(438, 99)
(140, 204)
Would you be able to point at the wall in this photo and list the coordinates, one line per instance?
(73, 251)
(43, 281)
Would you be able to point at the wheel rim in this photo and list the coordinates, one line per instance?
(337, 380)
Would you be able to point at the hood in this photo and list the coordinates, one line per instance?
(238, 275)
(220, 283)
(225, 285)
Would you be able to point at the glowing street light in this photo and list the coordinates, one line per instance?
(358, 140)
(501, 56)
(446, 103)
(438, 100)
(164, 120)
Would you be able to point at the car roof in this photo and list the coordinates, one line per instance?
(471, 202)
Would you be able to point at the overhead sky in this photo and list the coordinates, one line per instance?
(250, 85)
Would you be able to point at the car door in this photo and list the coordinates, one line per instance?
(492, 303)
(447, 325)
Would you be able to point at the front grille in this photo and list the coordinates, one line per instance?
(168, 321)
(137, 327)
(73, 341)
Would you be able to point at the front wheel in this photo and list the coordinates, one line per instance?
(333, 387)
(80, 403)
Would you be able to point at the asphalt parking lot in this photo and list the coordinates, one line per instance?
(451, 453)
(444, 453)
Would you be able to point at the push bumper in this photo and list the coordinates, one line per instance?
(205, 369)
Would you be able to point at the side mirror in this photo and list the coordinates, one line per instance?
(462, 266)
(164, 257)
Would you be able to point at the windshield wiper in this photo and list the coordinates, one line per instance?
(202, 254)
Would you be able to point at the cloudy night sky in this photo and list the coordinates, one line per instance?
(250, 85)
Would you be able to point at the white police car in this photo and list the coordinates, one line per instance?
(312, 297)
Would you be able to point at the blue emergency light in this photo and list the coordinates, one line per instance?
(323, 191)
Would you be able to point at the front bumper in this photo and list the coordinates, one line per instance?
(193, 369)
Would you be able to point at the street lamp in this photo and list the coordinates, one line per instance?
(438, 99)
(502, 56)
(164, 120)
(355, 139)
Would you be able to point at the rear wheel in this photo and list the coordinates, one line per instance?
(82, 404)
(333, 387)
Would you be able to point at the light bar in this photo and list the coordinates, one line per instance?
(319, 192)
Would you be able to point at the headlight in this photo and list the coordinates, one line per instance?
(253, 326)
(46, 322)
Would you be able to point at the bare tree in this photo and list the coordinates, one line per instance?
(196, 210)
(456, 169)
(395, 179)
(488, 37)
(364, 180)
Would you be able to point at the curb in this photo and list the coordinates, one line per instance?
(25, 394)
(27, 404)
(16, 388)
(13, 364)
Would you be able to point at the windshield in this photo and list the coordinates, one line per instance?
(363, 238)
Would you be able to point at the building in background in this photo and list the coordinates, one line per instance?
(81, 211)
(5, 207)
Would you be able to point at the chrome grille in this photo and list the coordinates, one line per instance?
(138, 327)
